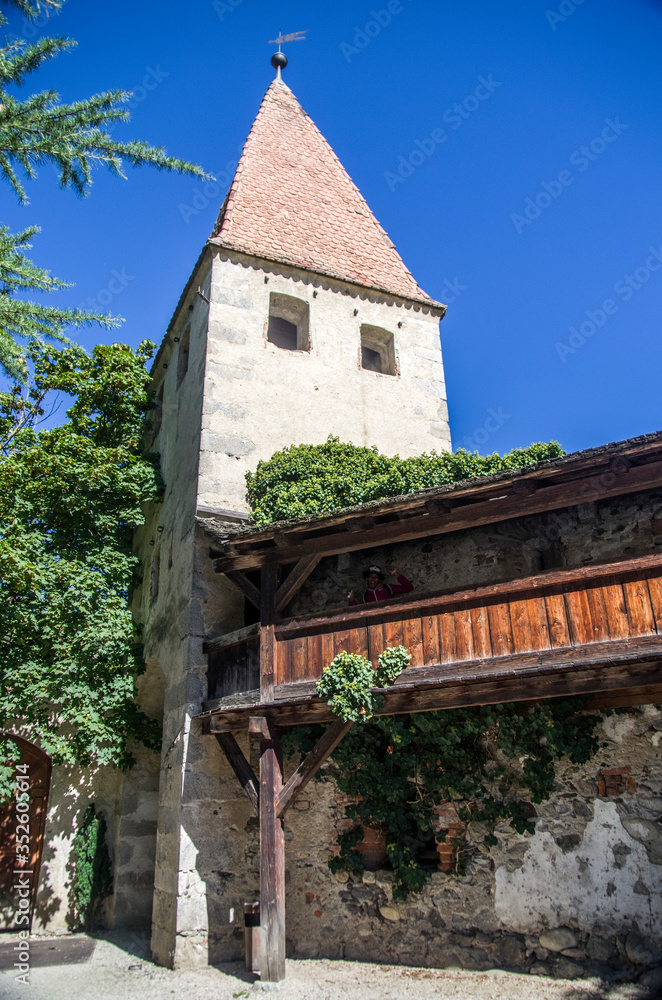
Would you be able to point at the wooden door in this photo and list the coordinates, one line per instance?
(23, 828)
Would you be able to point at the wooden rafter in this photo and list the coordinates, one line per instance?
(571, 481)
(241, 768)
(247, 588)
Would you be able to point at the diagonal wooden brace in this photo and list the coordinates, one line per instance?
(295, 580)
(311, 764)
(247, 588)
(241, 768)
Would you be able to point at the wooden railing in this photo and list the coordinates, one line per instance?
(547, 614)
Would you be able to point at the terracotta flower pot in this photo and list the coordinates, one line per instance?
(373, 848)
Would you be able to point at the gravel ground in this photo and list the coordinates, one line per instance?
(118, 969)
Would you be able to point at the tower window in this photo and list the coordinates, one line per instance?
(182, 356)
(288, 323)
(377, 350)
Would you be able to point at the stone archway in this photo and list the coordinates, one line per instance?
(16, 879)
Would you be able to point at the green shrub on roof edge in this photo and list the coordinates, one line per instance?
(314, 479)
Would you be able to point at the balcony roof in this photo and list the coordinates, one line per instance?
(597, 473)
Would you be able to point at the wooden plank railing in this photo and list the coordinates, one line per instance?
(558, 611)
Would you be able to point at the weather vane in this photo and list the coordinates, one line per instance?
(279, 59)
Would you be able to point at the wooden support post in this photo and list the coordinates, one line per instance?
(267, 633)
(272, 861)
(241, 767)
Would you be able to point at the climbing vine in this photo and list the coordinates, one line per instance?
(492, 761)
(92, 874)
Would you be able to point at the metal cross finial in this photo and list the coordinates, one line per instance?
(279, 59)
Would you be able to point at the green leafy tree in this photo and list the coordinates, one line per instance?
(70, 499)
(311, 479)
(74, 138)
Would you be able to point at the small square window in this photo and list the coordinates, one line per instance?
(377, 350)
(288, 323)
(282, 333)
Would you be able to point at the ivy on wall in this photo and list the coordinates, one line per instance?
(494, 761)
(92, 878)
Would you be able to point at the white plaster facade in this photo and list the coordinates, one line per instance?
(259, 398)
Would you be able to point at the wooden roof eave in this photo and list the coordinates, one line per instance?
(618, 469)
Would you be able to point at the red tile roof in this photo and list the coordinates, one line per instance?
(292, 201)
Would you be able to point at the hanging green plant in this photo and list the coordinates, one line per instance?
(391, 662)
(349, 678)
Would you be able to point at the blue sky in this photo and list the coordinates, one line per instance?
(512, 151)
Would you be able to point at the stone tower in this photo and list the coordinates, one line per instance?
(299, 320)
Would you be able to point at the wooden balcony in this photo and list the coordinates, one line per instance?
(586, 629)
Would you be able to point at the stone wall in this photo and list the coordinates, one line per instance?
(597, 532)
(580, 897)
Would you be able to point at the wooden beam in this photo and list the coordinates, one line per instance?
(311, 764)
(295, 580)
(472, 507)
(241, 768)
(272, 863)
(650, 694)
(258, 726)
(641, 667)
(247, 588)
(267, 636)
(231, 638)
(413, 605)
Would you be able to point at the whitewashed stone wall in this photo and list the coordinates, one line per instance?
(259, 398)
(580, 897)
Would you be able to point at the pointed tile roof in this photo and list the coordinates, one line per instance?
(292, 201)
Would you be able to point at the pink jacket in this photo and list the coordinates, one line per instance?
(384, 591)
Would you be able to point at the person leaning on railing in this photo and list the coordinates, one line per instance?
(376, 587)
